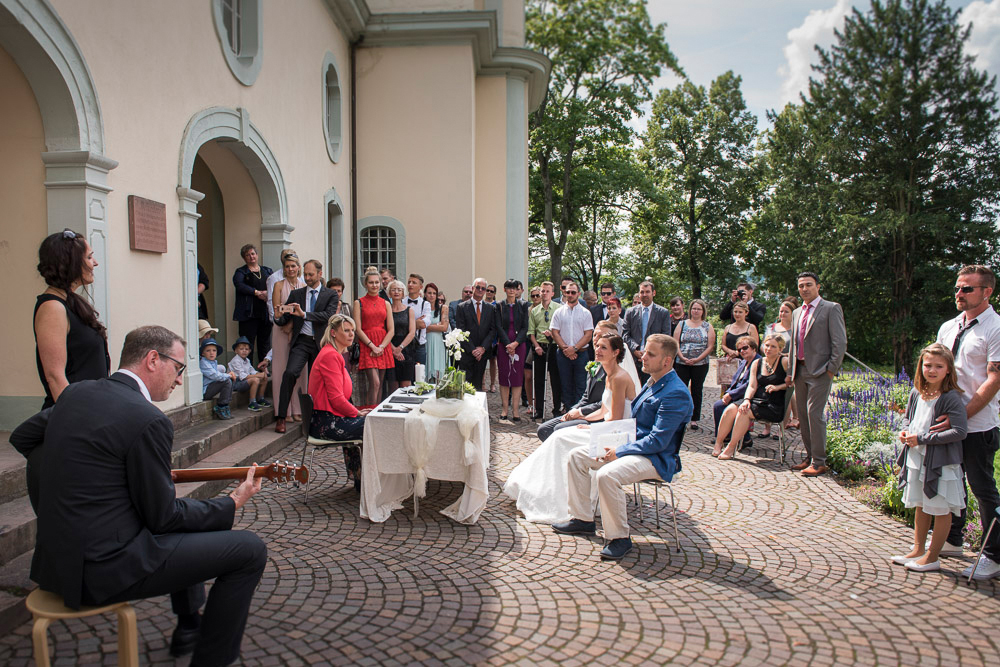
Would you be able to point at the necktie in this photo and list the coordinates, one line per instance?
(962, 328)
(478, 312)
(800, 343)
(312, 300)
(645, 323)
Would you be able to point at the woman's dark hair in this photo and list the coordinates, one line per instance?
(436, 307)
(60, 263)
(247, 248)
(617, 345)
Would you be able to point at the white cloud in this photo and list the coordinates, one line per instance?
(984, 42)
(800, 53)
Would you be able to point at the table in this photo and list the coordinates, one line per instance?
(388, 470)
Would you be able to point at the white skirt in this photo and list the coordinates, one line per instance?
(950, 497)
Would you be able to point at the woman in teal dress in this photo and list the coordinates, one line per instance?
(436, 355)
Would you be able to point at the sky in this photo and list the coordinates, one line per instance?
(769, 43)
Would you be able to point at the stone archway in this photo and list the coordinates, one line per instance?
(248, 145)
(72, 170)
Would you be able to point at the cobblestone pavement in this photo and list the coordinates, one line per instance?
(772, 569)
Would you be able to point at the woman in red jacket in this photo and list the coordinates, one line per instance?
(334, 417)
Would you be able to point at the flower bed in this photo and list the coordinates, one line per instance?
(864, 416)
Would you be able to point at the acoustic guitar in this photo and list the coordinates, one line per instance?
(276, 472)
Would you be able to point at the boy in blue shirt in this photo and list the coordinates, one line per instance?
(215, 380)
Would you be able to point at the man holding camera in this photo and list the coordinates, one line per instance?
(744, 293)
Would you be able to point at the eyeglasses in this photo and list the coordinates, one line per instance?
(606, 293)
(967, 289)
(491, 291)
(743, 349)
(536, 296)
(570, 291)
(478, 287)
(181, 366)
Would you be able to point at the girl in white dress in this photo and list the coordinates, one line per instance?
(538, 483)
(931, 470)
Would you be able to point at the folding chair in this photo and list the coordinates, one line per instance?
(986, 539)
(782, 445)
(306, 403)
(657, 484)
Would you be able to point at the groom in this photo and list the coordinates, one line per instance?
(661, 410)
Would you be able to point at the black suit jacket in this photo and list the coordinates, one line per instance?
(481, 334)
(105, 494)
(326, 307)
(754, 317)
(597, 313)
(591, 399)
(502, 316)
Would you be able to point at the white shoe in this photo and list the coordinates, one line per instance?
(903, 560)
(987, 569)
(948, 549)
(929, 567)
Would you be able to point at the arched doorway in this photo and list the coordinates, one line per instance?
(230, 192)
(54, 176)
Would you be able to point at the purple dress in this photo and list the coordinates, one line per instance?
(511, 370)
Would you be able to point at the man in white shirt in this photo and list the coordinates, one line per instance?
(572, 328)
(974, 339)
(421, 313)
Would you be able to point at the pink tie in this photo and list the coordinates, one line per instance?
(803, 321)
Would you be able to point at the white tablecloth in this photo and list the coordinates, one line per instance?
(387, 472)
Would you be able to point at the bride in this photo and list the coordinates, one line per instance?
(538, 483)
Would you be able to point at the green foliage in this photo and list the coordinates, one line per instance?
(698, 149)
(605, 55)
(892, 161)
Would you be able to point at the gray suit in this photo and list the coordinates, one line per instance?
(823, 350)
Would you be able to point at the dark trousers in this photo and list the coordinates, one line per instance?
(234, 558)
(474, 370)
(421, 354)
(573, 373)
(695, 377)
(303, 352)
(543, 361)
(258, 332)
(551, 426)
(979, 451)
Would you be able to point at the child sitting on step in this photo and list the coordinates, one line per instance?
(246, 377)
(215, 380)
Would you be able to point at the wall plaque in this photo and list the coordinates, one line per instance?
(147, 224)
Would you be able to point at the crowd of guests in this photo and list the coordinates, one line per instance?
(650, 365)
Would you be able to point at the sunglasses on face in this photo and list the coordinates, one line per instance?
(743, 349)
(571, 291)
(491, 291)
(606, 293)
(967, 289)
(536, 296)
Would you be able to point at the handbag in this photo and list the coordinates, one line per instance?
(354, 353)
(725, 369)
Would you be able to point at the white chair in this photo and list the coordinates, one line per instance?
(312, 444)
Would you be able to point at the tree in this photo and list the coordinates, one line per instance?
(886, 177)
(605, 55)
(699, 148)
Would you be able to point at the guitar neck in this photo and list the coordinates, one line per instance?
(213, 474)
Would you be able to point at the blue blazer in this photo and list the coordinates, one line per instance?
(741, 379)
(661, 412)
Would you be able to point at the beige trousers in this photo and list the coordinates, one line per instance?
(610, 479)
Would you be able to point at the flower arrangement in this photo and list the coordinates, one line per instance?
(452, 384)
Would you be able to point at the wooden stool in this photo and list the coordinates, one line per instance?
(46, 607)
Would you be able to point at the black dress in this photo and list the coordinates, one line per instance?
(404, 370)
(769, 407)
(87, 355)
(731, 338)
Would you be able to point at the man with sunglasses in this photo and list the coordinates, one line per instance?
(974, 339)
(540, 337)
(819, 341)
(600, 311)
(453, 306)
(572, 329)
(110, 525)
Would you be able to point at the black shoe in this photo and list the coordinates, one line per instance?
(575, 527)
(747, 442)
(183, 641)
(617, 548)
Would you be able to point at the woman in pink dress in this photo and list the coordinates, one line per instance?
(281, 337)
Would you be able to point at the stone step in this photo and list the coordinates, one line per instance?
(17, 528)
(205, 438)
(12, 480)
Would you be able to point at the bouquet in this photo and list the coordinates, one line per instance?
(452, 384)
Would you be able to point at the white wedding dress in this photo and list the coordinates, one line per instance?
(538, 483)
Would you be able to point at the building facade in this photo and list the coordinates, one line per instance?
(389, 132)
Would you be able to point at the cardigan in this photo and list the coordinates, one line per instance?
(944, 448)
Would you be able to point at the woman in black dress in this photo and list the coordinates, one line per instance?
(768, 382)
(71, 344)
(250, 310)
(404, 328)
